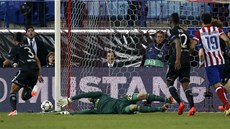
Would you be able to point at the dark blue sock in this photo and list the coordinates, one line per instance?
(174, 94)
(189, 97)
(26, 94)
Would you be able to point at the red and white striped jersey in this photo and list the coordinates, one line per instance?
(209, 37)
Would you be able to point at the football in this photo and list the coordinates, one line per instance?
(46, 106)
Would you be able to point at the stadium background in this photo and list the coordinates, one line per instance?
(123, 44)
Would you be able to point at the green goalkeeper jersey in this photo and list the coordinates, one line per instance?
(108, 105)
(104, 104)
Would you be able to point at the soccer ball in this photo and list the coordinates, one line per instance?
(46, 106)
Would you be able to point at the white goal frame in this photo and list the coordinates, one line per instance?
(57, 73)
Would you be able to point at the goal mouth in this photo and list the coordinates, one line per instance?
(92, 29)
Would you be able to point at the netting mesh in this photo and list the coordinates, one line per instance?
(93, 27)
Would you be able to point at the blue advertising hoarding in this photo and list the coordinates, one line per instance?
(116, 82)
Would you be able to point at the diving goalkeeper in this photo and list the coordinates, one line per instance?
(104, 104)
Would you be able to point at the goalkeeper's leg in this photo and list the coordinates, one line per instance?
(144, 109)
(151, 97)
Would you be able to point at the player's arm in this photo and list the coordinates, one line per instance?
(5, 63)
(192, 45)
(201, 57)
(40, 79)
(64, 102)
(178, 53)
(10, 56)
(226, 39)
(194, 41)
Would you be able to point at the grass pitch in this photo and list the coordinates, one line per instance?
(168, 120)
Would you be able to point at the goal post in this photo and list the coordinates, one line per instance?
(57, 75)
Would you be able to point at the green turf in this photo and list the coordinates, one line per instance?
(138, 121)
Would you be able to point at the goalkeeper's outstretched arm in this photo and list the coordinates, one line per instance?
(94, 95)
(87, 95)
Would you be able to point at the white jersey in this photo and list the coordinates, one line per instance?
(209, 37)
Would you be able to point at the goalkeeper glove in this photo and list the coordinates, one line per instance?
(64, 102)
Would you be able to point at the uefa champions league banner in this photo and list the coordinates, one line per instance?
(116, 82)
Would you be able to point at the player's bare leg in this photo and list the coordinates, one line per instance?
(227, 86)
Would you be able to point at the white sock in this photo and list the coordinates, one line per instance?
(35, 90)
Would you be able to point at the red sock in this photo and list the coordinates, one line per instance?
(222, 96)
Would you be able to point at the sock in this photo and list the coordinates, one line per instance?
(222, 96)
(152, 97)
(174, 94)
(26, 94)
(13, 101)
(35, 90)
(145, 109)
(189, 97)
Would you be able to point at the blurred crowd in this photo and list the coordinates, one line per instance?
(142, 13)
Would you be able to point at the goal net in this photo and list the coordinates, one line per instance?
(91, 28)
